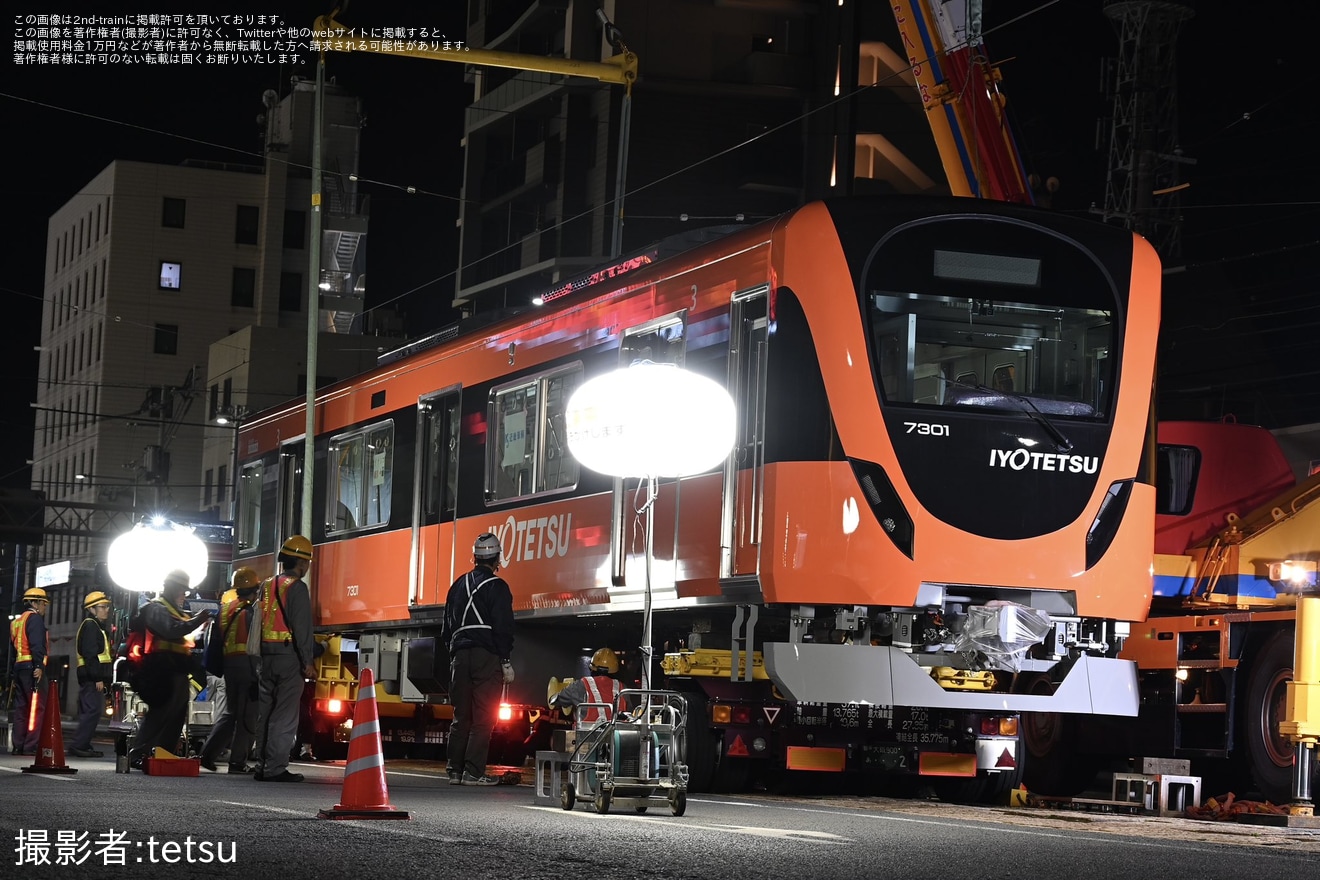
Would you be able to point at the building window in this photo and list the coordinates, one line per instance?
(247, 224)
(243, 294)
(167, 339)
(207, 482)
(291, 285)
(170, 275)
(295, 229)
(171, 213)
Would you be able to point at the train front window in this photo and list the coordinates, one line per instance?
(1000, 316)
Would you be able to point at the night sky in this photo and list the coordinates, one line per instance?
(1240, 327)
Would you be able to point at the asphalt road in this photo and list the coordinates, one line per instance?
(260, 829)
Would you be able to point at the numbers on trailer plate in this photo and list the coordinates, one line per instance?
(929, 429)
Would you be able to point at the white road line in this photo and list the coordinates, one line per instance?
(391, 826)
(791, 834)
(63, 777)
(1107, 837)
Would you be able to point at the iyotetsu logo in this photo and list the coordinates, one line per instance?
(539, 538)
(1058, 462)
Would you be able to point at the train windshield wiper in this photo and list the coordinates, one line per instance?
(1027, 408)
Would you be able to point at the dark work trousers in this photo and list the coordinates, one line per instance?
(167, 706)
(91, 706)
(237, 728)
(475, 679)
(281, 695)
(28, 710)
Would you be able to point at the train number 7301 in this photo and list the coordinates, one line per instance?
(928, 428)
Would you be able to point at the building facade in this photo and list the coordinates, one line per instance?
(741, 111)
(176, 294)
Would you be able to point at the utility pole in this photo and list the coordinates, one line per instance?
(1142, 187)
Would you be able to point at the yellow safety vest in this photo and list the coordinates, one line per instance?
(104, 656)
(274, 628)
(157, 643)
(18, 635)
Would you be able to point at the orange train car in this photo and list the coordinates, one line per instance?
(936, 508)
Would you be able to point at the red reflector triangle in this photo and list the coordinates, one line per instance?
(738, 748)
(1006, 760)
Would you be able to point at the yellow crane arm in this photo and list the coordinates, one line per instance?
(619, 70)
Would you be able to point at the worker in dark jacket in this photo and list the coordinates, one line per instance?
(31, 646)
(168, 663)
(95, 665)
(478, 629)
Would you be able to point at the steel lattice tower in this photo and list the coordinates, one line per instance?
(1142, 186)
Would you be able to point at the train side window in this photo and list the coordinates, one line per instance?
(1004, 377)
(360, 479)
(527, 452)
(1176, 471)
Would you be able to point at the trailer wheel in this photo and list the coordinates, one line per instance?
(602, 802)
(1047, 750)
(1263, 756)
(678, 803)
(567, 796)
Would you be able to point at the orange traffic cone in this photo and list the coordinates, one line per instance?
(50, 748)
(364, 795)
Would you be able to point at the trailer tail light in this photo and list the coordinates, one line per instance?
(721, 713)
(506, 712)
(331, 707)
(996, 725)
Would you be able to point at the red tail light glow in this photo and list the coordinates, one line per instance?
(506, 712)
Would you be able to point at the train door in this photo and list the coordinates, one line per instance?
(289, 492)
(433, 559)
(743, 474)
(662, 341)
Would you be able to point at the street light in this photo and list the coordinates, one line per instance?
(232, 416)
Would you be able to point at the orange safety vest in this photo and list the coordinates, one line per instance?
(236, 634)
(600, 689)
(18, 635)
(274, 628)
(157, 643)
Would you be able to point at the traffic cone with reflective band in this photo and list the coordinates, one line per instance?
(364, 795)
(50, 748)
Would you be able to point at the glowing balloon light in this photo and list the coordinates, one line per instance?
(650, 420)
(138, 560)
